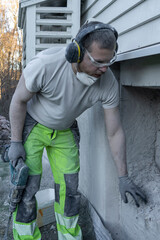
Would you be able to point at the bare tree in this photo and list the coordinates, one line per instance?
(10, 52)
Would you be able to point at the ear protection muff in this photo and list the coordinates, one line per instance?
(75, 50)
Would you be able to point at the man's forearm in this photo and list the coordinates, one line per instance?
(118, 149)
(17, 117)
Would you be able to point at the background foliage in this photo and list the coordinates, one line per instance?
(10, 53)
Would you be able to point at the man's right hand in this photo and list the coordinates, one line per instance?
(127, 186)
(15, 152)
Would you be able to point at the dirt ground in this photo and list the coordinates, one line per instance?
(49, 232)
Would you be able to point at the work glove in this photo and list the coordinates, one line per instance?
(127, 186)
(15, 152)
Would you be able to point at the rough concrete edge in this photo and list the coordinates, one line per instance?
(101, 232)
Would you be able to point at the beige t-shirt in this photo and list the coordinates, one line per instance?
(60, 97)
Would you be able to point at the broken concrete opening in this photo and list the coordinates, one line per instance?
(141, 120)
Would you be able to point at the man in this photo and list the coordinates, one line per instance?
(53, 92)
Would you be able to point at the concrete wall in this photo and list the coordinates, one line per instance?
(140, 112)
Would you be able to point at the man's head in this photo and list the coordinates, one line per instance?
(104, 35)
(93, 50)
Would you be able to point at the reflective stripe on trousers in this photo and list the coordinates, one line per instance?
(25, 231)
(67, 236)
(68, 229)
(63, 156)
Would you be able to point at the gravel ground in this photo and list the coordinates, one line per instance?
(49, 231)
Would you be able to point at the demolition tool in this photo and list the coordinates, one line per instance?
(19, 176)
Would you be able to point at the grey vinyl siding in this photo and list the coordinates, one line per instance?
(137, 21)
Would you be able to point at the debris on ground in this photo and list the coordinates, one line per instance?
(5, 132)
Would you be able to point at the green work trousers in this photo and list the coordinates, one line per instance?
(63, 156)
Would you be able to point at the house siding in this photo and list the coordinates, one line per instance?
(134, 20)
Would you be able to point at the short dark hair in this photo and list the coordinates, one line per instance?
(104, 37)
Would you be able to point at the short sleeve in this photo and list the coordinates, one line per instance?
(111, 92)
(34, 75)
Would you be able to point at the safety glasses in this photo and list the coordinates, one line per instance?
(98, 64)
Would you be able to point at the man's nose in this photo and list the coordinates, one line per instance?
(103, 69)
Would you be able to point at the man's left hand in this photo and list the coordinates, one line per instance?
(127, 186)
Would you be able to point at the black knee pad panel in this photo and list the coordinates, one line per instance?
(72, 201)
(27, 211)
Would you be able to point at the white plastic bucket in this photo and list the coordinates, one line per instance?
(45, 201)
